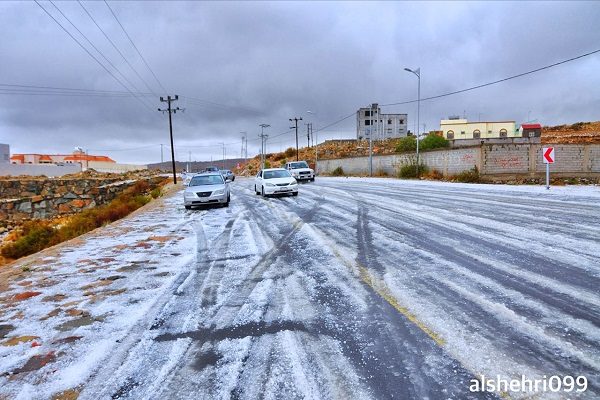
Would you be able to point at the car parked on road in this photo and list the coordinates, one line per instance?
(228, 175)
(300, 171)
(211, 169)
(275, 181)
(207, 188)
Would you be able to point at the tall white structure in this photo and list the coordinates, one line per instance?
(370, 120)
(4, 153)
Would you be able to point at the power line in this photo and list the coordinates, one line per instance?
(95, 48)
(115, 47)
(135, 47)
(54, 88)
(498, 81)
(88, 52)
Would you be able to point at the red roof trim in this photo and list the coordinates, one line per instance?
(531, 126)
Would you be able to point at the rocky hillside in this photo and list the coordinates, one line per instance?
(581, 132)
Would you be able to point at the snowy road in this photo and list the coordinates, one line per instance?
(356, 288)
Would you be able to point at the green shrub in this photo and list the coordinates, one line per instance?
(156, 192)
(408, 143)
(410, 170)
(470, 176)
(290, 152)
(267, 164)
(35, 236)
(433, 142)
(339, 171)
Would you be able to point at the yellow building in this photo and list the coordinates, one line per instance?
(462, 129)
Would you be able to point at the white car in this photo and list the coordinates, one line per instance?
(301, 171)
(207, 188)
(275, 181)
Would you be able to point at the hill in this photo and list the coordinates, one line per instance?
(581, 132)
(196, 166)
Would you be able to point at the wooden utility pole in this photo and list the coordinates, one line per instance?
(171, 110)
(296, 119)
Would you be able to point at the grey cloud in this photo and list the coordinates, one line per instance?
(272, 61)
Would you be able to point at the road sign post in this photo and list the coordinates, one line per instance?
(548, 157)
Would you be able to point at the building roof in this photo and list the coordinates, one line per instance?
(18, 157)
(531, 126)
(86, 157)
(45, 157)
(457, 122)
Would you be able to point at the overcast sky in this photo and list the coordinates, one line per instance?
(260, 62)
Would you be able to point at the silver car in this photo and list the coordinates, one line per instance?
(207, 188)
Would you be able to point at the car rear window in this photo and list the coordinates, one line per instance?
(276, 174)
(206, 180)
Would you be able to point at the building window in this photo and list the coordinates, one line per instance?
(389, 121)
(450, 134)
(476, 134)
(503, 133)
(489, 132)
(532, 134)
(402, 121)
(367, 113)
(462, 132)
(367, 122)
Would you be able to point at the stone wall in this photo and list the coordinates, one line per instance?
(18, 188)
(497, 159)
(65, 200)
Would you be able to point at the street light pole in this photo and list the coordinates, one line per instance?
(296, 119)
(417, 72)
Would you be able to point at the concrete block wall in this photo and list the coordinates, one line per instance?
(505, 159)
(514, 159)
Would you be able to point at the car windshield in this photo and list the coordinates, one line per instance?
(301, 164)
(276, 174)
(206, 180)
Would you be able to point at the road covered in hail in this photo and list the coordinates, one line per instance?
(357, 288)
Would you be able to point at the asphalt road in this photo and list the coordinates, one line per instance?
(372, 289)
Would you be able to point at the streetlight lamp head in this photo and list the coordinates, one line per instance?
(408, 69)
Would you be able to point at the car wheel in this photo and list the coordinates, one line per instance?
(312, 180)
(188, 207)
(256, 191)
(294, 193)
(263, 192)
(228, 200)
(233, 179)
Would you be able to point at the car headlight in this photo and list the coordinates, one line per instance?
(188, 194)
(269, 184)
(218, 192)
(293, 183)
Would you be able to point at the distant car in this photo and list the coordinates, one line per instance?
(275, 181)
(300, 170)
(207, 188)
(211, 169)
(228, 175)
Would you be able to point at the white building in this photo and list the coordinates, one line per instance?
(4, 153)
(370, 120)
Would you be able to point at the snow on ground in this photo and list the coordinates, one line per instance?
(357, 288)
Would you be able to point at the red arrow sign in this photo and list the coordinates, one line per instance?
(548, 155)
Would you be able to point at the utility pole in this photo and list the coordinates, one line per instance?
(243, 145)
(263, 139)
(189, 161)
(296, 119)
(308, 130)
(223, 144)
(170, 110)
